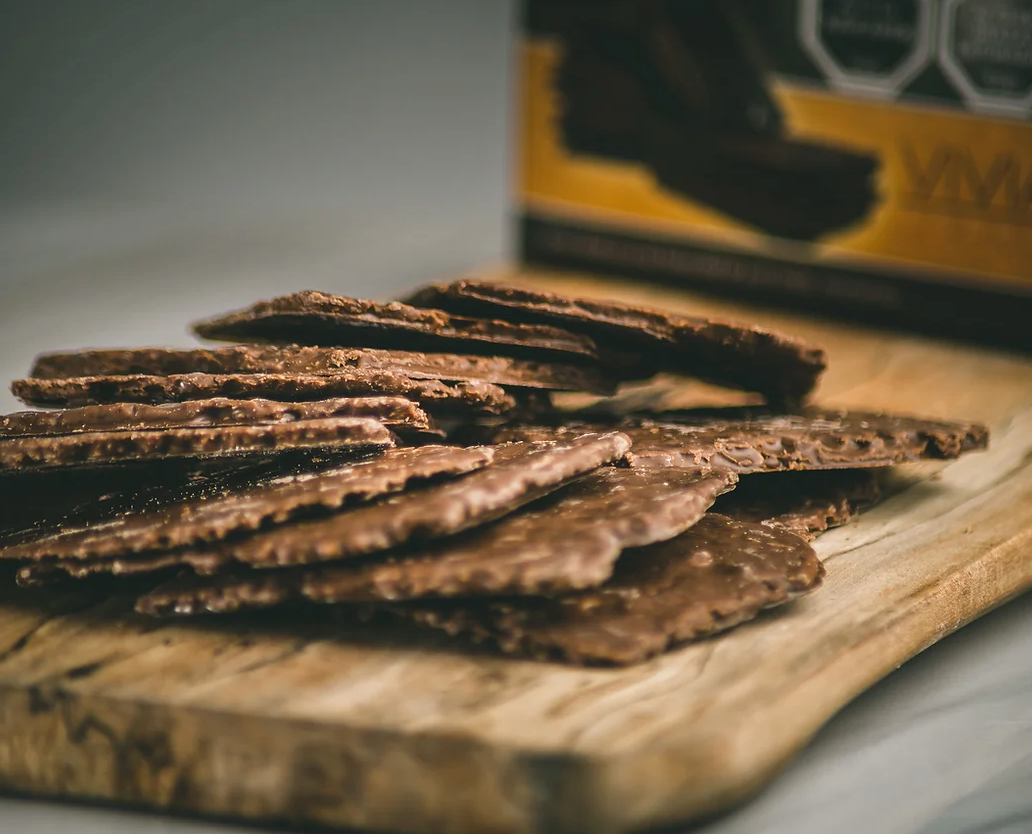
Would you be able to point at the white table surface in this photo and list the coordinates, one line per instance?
(944, 745)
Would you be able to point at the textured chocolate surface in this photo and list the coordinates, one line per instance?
(294, 359)
(434, 395)
(230, 507)
(520, 473)
(725, 353)
(39, 502)
(94, 448)
(397, 413)
(714, 576)
(805, 503)
(317, 318)
(569, 540)
(746, 440)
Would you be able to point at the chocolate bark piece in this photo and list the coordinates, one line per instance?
(436, 396)
(103, 447)
(716, 575)
(569, 540)
(397, 413)
(520, 473)
(805, 503)
(725, 353)
(295, 359)
(40, 502)
(51, 572)
(317, 318)
(228, 507)
(748, 440)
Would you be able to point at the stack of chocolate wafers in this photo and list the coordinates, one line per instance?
(408, 458)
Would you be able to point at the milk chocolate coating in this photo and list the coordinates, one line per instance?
(714, 576)
(567, 541)
(805, 503)
(232, 507)
(94, 448)
(40, 502)
(397, 413)
(293, 359)
(436, 396)
(745, 440)
(780, 367)
(520, 473)
(317, 318)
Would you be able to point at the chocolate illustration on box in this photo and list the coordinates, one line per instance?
(678, 88)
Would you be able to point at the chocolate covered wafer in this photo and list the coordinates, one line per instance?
(229, 507)
(746, 440)
(805, 503)
(317, 318)
(734, 355)
(567, 541)
(105, 447)
(397, 413)
(40, 502)
(434, 395)
(294, 359)
(714, 576)
(520, 473)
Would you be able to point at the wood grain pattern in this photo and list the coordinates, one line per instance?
(306, 719)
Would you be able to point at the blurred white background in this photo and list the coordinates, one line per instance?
(160, 159)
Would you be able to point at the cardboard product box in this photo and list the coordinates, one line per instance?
(871, 158)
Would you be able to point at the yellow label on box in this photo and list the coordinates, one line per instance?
(953, 190)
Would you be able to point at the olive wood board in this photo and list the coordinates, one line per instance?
(292, 719)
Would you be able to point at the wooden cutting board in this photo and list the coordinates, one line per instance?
(293, 721)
